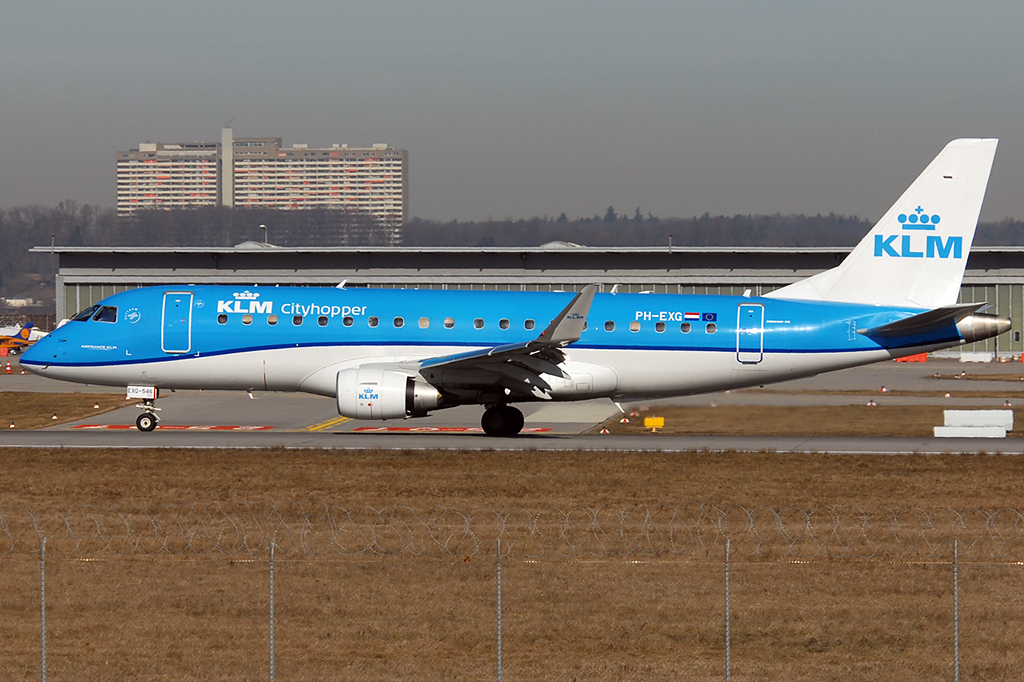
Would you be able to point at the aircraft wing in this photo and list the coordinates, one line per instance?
(925, 322)
(515, 366)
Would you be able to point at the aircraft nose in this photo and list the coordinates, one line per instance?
(38, 354)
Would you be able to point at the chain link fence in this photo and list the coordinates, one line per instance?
(689, 531)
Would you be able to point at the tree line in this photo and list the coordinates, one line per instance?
(71, 224)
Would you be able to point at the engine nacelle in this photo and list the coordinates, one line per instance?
(371, 393)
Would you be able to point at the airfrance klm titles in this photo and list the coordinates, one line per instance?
(910, 243)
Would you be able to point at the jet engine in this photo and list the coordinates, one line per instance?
(372, 393)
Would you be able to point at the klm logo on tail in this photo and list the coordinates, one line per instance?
(912, 243)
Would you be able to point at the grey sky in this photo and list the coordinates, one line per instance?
(530, 108)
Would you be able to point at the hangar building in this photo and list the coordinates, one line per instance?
(87, 274)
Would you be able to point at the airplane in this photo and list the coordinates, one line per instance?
(16, 340)
(397, 354)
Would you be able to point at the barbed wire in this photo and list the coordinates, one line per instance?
(321, 529)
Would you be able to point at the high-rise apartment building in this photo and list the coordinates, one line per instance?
(259, 172)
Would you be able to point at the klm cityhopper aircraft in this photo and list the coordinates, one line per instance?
(393, 354)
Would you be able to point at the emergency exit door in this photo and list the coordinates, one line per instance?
(750, 333)
(176, 329)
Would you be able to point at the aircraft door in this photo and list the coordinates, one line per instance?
(176, 329)
(750, 333)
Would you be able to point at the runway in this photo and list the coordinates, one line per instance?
(196, 419)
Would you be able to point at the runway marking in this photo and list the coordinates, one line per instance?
(327, 424)
(434, 429)
(169, 427)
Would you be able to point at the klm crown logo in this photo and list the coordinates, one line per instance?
(918, 219)
(246, 296)
(909, 245)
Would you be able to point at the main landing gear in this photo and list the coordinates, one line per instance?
(502, 420)
(147, 421)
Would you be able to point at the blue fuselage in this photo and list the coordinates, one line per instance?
(279, 338)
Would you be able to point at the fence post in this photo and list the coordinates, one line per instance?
(728, 639)
(272, 543)
(499, 610)
(956, 610)
(42, 605)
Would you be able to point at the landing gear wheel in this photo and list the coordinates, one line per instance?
(502, 420)
(146, 422)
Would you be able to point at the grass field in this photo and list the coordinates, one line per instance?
(203, 617)
(36, 410)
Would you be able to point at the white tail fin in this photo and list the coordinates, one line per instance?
(915, 255)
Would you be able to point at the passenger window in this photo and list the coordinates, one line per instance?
(297, 320)
(247, 319)
(528, 324)
(107, 313)
(609, 326)
(424, 322)
(399, 322)
(271, 320)
(322, 320)
(711, 328)
(685, 327)
(347, 320)
(478, 323)
(449, 323)
(659, 327)
(634, 326)
(503, 323)
(372, 321)
(222, 319)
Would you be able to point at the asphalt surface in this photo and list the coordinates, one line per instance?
(230, 419)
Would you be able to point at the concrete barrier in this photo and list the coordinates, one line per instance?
(975, 424)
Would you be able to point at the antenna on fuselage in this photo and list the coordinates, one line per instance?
(342, 285)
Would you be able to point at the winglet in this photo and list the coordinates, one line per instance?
(567, 327)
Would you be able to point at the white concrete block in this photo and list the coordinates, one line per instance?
(982, 356)
(1001, 418)
(970, 432)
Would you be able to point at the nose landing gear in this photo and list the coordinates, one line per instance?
(502, 420)
(148, 420)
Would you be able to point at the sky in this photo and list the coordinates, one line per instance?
(529, 108)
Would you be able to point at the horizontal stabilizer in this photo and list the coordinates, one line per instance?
(925, 322)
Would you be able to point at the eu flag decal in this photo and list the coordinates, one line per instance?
(709, 317)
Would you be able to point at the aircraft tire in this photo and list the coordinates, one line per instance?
(502, 420)
(146, 422)
(516, 420)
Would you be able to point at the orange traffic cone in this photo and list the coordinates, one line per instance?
(8, 367)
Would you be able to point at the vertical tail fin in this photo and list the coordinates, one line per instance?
(915, 255)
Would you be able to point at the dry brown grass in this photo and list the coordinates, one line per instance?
(173, 618)
(36, 410)
(770, 420)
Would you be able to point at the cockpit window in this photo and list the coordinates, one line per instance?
(107, 313)
(85, 314)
